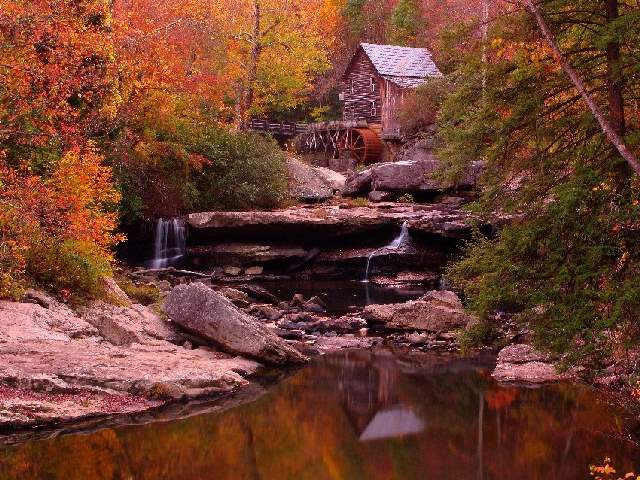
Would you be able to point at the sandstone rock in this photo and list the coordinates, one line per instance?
(313, 306)
(309, 224)
(268, 312)
(259, 293)
(254, 271)
(348, 342)
(232, 271)
(246, 254)
(523, 364)
(239, 298)
(346, 324)
(113, 292)
(435, 312)
(59, 364)
(39, 298)
(380, 196)
(521, 354)
(202, 311)
(313, 184)
(297, 300)
(413, 176)
(358, 183)
(124, 326)
(406, 278)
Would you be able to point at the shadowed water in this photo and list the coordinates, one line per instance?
(339, 296)
(357, 416)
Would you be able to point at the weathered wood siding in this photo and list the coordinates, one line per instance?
(361, 90)
(392, 100)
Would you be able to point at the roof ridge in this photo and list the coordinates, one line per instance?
(401, 62)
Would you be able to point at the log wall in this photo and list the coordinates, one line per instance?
(361, 90)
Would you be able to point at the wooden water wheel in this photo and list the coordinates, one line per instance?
(363, 145)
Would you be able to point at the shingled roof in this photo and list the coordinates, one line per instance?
(405, 66)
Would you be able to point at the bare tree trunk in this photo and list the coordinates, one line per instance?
(252, 68)
(485, 35)
(614, 74)
(614, 137)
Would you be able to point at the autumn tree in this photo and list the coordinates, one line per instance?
(406, 23)
(276, 48)
(57, 77)
(58, 89)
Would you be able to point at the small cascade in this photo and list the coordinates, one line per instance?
(170, 243)
(399, 242)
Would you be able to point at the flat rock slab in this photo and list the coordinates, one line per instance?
(243, 254)
(208, 314)
(348, 342)
(524, 364)
(51, 356)
(314, 223)
(24, 407)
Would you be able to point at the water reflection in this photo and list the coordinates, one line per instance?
(358, 416)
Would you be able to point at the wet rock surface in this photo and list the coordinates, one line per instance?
(332, 221)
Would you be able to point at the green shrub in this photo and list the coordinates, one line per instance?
(359, 202)
(147, 294)
(476, 336)
(71, 267)
(244, 171)
(421, 109)
(174, 170)
(407, 198)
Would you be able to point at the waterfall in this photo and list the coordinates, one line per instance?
(399, 242)
(170, 243)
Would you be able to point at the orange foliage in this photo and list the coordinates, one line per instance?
(60, 229)
(57, 64)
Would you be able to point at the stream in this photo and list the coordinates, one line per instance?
(358, 415)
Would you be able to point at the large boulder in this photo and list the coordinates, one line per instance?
(408, 176)
(524, 364)
(435, 312)
(313, 184)
(208, 314)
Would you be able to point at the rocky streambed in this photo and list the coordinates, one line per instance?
(59, 366)
(214, 327)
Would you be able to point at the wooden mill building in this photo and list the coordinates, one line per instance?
(377, 81)
(375, 85)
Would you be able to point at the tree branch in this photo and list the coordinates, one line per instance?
(616, 140)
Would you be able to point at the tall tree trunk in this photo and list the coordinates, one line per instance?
(614, 74)
(252, 68)
(612, 135)
(485, 36)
